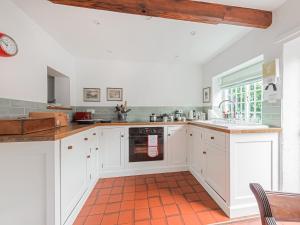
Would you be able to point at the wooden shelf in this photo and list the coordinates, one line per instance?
(54, 107)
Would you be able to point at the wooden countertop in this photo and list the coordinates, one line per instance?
(56, 134)
(237, 131)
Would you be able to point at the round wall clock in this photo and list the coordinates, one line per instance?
(8, 46)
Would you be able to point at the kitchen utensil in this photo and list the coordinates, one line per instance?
(165, 119)
(191, 115)
(153, 117)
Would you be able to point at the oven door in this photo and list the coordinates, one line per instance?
(140, 151)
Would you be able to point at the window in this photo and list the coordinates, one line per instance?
(247, 98)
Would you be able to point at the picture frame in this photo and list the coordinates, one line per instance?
(91, 94)
(114, 94)
(206, 95)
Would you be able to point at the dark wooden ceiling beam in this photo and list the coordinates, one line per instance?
(181, 10)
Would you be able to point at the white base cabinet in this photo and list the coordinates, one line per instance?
(56, 177)
(74, 177)
(112, 146)
(230, 162)
(177, 145)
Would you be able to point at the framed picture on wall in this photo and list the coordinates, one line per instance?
(91, 94)
(114, 94)
(206, 95)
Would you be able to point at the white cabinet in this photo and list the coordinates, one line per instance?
(112, 142)
(177, 145)
(73, 173)
(215, 173)
(94, 154)
(197, 151)
(215, 155)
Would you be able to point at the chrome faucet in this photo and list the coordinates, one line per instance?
(234, 106)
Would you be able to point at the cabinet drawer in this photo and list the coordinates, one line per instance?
(215, 138)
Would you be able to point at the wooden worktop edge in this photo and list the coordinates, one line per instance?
(63, 132)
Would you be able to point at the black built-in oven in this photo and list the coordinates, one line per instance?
(146, 144)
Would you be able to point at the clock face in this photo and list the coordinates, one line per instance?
(8, 45)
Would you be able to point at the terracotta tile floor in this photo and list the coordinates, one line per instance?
(157, 199)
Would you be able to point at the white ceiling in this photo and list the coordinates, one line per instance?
(88, 33)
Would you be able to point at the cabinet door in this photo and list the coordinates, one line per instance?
(197, 149)
(73, 173)
(177, 147)
(112, 148)
(94, 154)
(215, 169)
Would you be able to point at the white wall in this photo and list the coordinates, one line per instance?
(291, 119)
(257, 42)
(269, 43)
(144, 84)
(24, 76)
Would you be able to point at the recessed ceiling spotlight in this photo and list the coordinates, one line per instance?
(193, 33)
(96, 22)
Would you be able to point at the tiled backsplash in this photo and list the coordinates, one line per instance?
(17, 108)
(10, 108)
(271, 113)
(138, 113)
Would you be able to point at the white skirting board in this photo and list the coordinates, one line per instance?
(232, 212)
(71, 219)
(134, 172)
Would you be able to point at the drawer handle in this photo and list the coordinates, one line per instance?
(169, 135)
(122, 136)
(97, 149)
(70, 147)
(88, 156)
(204, 153)
(86, 139)
(191, 135)
(94, 134)
(212, 138)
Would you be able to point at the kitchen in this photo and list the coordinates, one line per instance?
(172, 129)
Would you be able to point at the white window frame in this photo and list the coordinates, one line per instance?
(246, 114)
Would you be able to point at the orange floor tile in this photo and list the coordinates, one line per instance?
(156, 199)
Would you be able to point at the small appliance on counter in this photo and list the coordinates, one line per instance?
(87, 118)
(178, 115)
(157, 118)
(82, 116)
